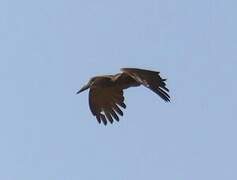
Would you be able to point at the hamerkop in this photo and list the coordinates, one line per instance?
(106, 92)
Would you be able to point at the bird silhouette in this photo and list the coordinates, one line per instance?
(106, 92)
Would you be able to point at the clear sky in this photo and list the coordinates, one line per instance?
(49, 49)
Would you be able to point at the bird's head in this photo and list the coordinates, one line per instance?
(88, 85)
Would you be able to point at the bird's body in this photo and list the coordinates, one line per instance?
(106, 92)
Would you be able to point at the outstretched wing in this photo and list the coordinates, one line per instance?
(124, 81)
(104, 103)
(151, 80)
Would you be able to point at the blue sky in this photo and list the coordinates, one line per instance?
(49, 49)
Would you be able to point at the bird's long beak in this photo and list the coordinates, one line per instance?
(83, 88)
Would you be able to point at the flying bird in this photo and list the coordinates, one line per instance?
(106, 92)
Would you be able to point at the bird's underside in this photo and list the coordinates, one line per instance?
(106, 92)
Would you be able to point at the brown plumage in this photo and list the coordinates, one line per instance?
(106, 92)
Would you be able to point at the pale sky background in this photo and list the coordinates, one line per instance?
(49, 49)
